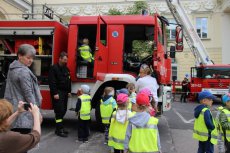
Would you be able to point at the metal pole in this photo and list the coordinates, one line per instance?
(32, 9)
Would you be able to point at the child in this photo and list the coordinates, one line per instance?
(83, 107)
(119, 123)
(151, 109)
(132, 96)
(225, 121)
(142, 133)
(107, 106)
(220, 144)
(204, 126)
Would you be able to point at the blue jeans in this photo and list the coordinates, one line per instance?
(205, 147)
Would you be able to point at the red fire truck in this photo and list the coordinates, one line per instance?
(111, 40)
(205, 75)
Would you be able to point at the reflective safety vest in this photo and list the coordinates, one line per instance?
(200, 131)
(227, 132)
(117, 132)
(130, 106)
(144, 139)
(106, 111)
(85, 53)
(85, 107)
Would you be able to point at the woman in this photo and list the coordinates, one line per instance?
(22, 85)
(147, 81)
(14, 142)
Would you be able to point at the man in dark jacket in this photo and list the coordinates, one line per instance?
(184, 90)
(60, 88)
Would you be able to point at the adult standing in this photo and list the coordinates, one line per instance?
(60, 88)
(22, 85)
(147, 81)
(184, 90)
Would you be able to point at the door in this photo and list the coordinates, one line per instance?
(101, 51)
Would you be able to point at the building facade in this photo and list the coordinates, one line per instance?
(211, 18)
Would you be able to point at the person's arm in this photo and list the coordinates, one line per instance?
(78, 105)
(224, 121)
(20, 109)
(127, 137)
(37, 117)
(208, 120)
(53, 81)
(69, 89)
(158, 140)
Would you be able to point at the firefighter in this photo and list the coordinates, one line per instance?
(60, 89)
(204, 127)
(142, 132)
(86, 55)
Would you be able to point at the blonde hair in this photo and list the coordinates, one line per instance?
(107, 90)
(85, 41)
(130, 86)
(6, 110)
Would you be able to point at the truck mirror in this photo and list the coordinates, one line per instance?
(172, 51)
(179, 39)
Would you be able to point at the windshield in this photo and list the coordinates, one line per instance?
(221, 73)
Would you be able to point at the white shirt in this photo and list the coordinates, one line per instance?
(148, 82)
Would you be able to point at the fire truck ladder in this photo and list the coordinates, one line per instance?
(190, 34)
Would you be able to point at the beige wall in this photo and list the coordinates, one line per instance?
(8, 11)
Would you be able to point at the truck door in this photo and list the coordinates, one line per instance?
(115, 45)
(101, 51)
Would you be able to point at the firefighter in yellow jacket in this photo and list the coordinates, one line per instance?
(205, 130)
(142, 132)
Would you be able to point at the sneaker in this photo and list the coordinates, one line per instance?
(85, 141)
(65, 131)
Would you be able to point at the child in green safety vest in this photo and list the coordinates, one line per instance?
(119, 123)
(225, 121)
(142, 132)
(83, 109)
(107, 106)
(132, 96)
(220, 145)
(204, 127)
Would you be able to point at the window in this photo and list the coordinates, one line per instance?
(202, 27)
(172, 30)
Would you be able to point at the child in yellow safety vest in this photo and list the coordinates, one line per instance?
(119, 123)
(83, 109)
(204, 127)
(225, 121)
(132, 96)
(107, 106)
(142, 132)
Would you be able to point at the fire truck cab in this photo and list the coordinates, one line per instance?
(115, 61)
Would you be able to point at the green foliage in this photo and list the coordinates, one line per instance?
(142, 48)
(137, 7)
(114, 11)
